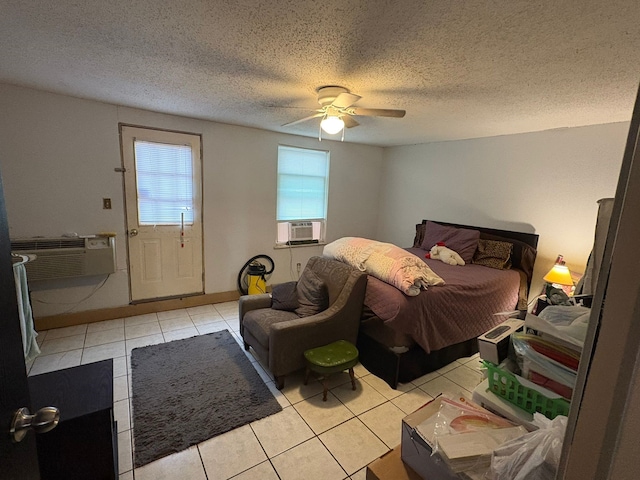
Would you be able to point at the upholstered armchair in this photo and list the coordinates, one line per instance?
(279, 337)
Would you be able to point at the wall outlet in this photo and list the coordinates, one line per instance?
(298, 266)
(106, 203)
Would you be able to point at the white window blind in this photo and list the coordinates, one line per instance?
(164, 180)
(302, 184)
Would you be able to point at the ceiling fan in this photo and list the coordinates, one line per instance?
(337, 110)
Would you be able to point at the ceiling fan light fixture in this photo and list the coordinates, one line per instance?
(332, 124)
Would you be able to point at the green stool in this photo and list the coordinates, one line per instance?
(333, 358)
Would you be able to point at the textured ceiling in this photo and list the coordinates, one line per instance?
(460, 68)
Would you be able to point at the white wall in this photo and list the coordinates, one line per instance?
(58, 157)
(545, 183)
(59, 153)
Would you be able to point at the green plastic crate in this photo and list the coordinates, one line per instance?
(506, 385)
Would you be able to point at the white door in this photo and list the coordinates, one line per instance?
(163, 193)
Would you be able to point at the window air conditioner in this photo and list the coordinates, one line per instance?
(64, 257)
(300, 231)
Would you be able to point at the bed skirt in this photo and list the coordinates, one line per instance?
(396, 368)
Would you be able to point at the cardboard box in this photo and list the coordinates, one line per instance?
(390, 467)
(494, 345)
(416, 453)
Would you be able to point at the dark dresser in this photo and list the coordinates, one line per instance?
(84, 445)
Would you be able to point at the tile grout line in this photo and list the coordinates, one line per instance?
(331, 453)
(201, 462)
(265, 454)
(355, 416)
(317, 435)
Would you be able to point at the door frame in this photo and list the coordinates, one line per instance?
(122, 170)
(603, 408)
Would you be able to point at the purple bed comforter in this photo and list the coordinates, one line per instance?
(444, 315)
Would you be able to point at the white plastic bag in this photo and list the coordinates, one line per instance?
(564, 323)
(534, 456)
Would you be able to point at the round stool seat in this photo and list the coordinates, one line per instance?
(333, 358)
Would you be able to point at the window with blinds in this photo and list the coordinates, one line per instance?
(303, 185)
(164, 182)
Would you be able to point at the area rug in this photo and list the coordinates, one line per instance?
(187, 391)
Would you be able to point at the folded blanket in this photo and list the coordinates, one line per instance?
(385, 261)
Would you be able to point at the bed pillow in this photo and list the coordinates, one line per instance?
(463, 241)
(419, 238)
(313, 296)
(284, 296)
(494, 254)
(523, 255)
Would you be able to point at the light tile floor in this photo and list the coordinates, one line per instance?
(308, 439)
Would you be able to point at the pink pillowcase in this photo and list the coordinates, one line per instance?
(463, 241)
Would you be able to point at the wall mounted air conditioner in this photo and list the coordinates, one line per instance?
(64, 257)
(300, 231)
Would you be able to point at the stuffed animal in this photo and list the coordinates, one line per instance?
(440, 252)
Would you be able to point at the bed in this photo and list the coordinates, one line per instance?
(403, 337)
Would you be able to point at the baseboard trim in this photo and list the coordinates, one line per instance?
(98, 315)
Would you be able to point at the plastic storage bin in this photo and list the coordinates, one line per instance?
(506, 385)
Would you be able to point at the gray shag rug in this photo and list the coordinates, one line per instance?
(187, 391)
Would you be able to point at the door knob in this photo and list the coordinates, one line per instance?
(42, 421)
(133, 232)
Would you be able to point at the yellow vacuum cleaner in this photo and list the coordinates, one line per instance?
(252, 278)
(257, 282)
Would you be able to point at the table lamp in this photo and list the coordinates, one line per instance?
(558, 275)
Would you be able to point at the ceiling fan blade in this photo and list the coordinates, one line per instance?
(315, 115)
(345, 100)
(311, 109)
(349, 121)
(377, 112)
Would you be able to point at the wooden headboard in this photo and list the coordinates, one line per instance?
(528, 238)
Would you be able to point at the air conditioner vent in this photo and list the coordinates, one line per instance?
(64, 257)
(57, 266)
(300, 231)
(46, 243)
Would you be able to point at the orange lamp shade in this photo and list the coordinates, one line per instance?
(559, 275)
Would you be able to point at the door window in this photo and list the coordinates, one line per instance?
(164, 180)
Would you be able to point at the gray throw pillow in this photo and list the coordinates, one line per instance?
(284, 296)
(313, 296)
